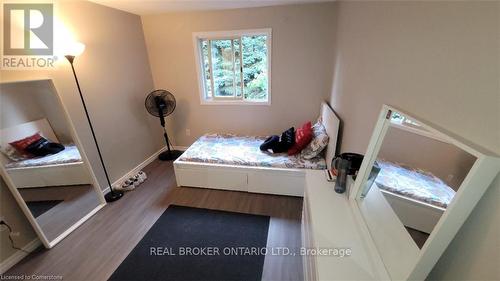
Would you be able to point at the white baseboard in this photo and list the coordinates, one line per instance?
(19, 255)
(142, 165)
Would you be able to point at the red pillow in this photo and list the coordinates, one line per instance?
(303, 137)
(20, 145)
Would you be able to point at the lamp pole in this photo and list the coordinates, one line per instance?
(112, 195)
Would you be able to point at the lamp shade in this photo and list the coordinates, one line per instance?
(74, 49)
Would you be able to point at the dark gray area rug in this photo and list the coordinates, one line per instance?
(38, 208)
(199, 244)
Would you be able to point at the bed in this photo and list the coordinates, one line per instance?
(232, 162)
(63, 168)
(244, 151)
(418, 197)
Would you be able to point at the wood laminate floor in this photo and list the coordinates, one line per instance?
(418, 236)
(78, 201)
(97, 248)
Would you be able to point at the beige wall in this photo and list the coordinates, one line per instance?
(115, 78)
(301, 67)
(439, 61)
(29, 101)
(23, 102)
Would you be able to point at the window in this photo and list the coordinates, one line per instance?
(404, 123)
(234, 66)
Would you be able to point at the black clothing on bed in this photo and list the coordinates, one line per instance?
(279, 144)
(43, 147)
(269, 143)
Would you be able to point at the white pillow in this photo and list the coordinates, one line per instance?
(11, 153)
(317, 144)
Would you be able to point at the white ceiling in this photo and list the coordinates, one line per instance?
(142, 7)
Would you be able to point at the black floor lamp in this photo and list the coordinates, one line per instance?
(77, 49)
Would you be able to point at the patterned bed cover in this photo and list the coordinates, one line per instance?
(413, 183)
(69, 155)
(244, 151)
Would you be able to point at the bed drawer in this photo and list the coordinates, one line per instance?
(191, 177)
(212, 178)
(250, 179)
(283, 183)
(230, 180)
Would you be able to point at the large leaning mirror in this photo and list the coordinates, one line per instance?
(418, 184)
(42, 160)
(418, 173)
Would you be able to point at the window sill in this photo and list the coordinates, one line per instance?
(418, 131)
(234, 102)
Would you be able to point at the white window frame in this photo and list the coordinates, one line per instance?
(230, 34)
(407, 125)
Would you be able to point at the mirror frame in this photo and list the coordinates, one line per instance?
(12, 187)
(477, 181)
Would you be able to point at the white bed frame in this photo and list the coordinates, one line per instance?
(46, 175)
(281, 181)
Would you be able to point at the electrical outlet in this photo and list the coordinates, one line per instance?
(3, 227)
(188, 132)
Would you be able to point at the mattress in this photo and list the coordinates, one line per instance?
(414, 183)
(70, 154)
(244, 151)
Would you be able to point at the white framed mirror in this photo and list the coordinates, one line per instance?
(43, 162)
(416, 186)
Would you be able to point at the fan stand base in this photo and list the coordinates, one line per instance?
(169, 155)
(113, 196)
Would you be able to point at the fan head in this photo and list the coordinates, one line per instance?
(160, 101)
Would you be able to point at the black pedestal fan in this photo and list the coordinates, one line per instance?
(161, 103)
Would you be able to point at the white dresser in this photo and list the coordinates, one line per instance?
(330, 223)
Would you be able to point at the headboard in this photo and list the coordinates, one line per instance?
(20, 131)
(332, 123)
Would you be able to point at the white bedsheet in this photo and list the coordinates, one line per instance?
(69, 155)
(413, 183)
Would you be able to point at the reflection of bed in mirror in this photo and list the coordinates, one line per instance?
(418, 197)
(419, 175)
(63, 168)
(42, 161)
